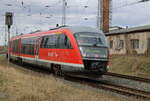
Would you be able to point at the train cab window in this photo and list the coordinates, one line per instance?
(91, 39)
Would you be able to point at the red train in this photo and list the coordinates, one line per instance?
(80, 51)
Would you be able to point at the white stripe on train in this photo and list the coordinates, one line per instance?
(49, 61)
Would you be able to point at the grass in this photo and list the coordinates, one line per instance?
(25, 85)
(2, 81)
(131, 65)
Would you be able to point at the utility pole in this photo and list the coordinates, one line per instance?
(16, 30)
(98, 15)
(105, 14)
(64, 12)
(5, 36)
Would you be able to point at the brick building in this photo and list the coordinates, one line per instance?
(130, 40)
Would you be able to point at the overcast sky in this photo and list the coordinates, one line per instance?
(31, 15)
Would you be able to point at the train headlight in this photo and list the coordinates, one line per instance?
(81, 50)
(84, 54)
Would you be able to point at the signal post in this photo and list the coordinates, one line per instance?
(8, 23)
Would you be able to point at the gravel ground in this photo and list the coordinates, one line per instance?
(2, 95)
(83, 86)
(126, 82)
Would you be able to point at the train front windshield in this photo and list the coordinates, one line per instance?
(92, 45)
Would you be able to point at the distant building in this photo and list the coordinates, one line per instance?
(1, 48)
(130, 40)
(113, 28)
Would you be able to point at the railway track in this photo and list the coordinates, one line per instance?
(128, 77)
(105, 85)
(123, 90)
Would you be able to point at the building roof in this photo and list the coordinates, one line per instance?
(129, 30)
(115, 28)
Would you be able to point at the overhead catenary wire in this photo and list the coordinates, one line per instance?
(32, 9)
(130, 4)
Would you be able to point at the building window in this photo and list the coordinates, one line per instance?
(135, 43)
(111, 44)
(148, 43)
(121, 44)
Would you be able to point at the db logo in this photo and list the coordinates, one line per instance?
(52, 54)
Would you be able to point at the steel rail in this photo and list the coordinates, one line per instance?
(128, 77)
(112, 87)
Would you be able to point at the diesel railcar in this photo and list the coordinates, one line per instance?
(80, 51)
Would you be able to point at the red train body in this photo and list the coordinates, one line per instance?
(74, 50)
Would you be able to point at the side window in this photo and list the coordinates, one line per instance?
(68, 43)
(64, 42)
(44, 41)
(15, 46)
(12, 46)
(56, 41)
(52, 41)
(27, 46)
(49, 41)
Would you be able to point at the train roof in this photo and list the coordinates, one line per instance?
(73, 29)
(76, 29)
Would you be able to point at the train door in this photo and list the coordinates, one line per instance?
(65, 49)
(37, 41)
(19, 46)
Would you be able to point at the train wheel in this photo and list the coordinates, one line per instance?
(57, 70)
(19, 60)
